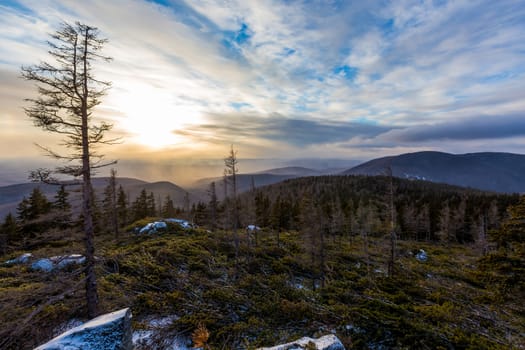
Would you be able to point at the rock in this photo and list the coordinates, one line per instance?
(328, 342)
(45, 265)
(107, 332)
(22, 259)
(66, 260)
(421, 255)
(154, 227)
(57, 262)
(182, 223)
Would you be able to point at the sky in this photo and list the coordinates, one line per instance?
(279, 80)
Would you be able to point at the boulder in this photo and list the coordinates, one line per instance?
(328, 342)
(107, 332)
(154, 227)
(57, 262)
(182, 223)
(45, 265)
(421, 255)
(22, 259)
(62, 261)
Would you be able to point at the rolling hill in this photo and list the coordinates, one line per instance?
(499, 172)
(10, 196)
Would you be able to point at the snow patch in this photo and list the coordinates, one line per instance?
(328, 342)
(151, 337)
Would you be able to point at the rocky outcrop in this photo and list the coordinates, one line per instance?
(107, 332)
(328, 342)
(47, 264)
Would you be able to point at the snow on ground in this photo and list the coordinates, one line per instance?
(328, 342)
(106, 332)
(146, 338)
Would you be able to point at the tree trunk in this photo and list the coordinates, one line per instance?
(87, 199)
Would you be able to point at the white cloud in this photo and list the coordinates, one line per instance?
(416, 63)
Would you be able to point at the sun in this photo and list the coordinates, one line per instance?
(151, 116)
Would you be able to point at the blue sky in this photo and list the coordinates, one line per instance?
(286, 79)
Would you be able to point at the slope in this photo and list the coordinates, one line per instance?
(500, 172)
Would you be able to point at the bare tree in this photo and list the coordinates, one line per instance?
(230, 173)
(68, 94)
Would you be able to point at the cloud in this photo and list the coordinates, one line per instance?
(289, 77)
(295, 132)
(481, 128)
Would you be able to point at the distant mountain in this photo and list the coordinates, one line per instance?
(292, 170)
(260, 178)
(244, 183)
(500, 172)
(10, 196)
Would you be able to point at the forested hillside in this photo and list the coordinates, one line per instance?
(348, 205)
(319, 262)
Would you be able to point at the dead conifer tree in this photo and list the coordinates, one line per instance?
(230, 174)
(68, 93)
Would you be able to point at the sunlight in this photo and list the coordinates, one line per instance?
(151, 115)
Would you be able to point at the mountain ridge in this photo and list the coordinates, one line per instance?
(491, 171)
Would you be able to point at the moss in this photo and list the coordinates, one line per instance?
(270, 294)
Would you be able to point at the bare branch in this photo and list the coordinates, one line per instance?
(42, 175)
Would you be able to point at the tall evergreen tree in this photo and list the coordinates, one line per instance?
(62, 206)
(213, 205)
(262, 209)
(61, 199)
(506, 266)
(152, 207)
(23, 210)
(109, 205)
(140, 206)
(38, 204)
(9, 233)
(168, 208)
(122, 206)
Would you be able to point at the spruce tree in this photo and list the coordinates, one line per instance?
(140, 206)
(122, 206)
(168, 209)
(213, 204)
(9, 233)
